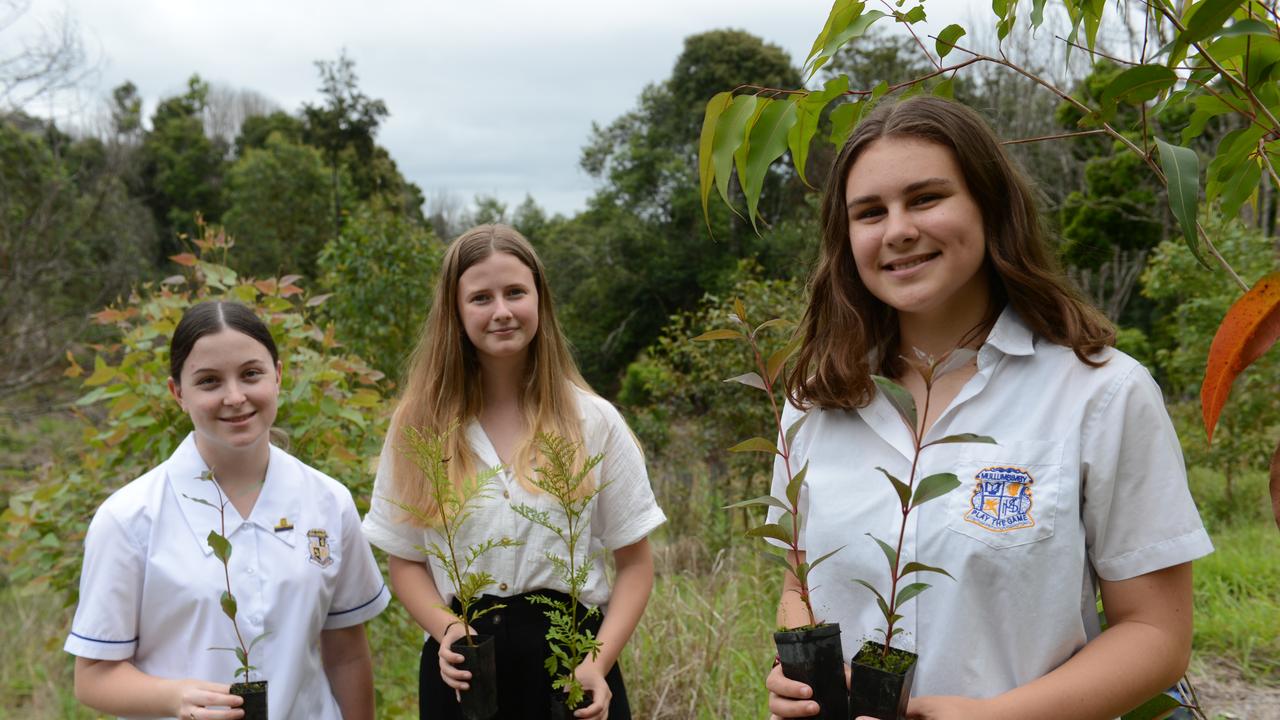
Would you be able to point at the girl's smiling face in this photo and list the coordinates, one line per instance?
(230, 387)
(498, 306)
(915, 231)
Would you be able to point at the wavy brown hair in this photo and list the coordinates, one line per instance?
(443, 383)
(847, 333)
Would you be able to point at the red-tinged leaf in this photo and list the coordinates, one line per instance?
(318, 299)
(773, 531)
(266, 287)
(185, 259)
(287, 290)
(722, 334)
(73, 367)
(108, 316)
(1251, 326)
(290, 279)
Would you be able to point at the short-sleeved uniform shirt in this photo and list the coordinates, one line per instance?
(150, 589)
(1086, 482)
(623, 513)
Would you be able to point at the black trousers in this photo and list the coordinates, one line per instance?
(524, 685)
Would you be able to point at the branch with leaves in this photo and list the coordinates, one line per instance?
(569, 485)
(221, 547)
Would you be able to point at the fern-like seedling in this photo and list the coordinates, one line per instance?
(453, 507)
(569, 485)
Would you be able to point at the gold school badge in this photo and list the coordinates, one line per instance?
(319, 542)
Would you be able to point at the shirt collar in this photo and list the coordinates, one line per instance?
(276, 510)
(1010, 335)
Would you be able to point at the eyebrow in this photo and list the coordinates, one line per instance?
(246, 363)
(913, 187)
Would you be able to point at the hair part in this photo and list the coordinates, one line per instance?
(443, 389)
(847, 333)
(212, 317)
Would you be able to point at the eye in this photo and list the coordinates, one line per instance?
(480, 298)
(926, 198)
(517, 292)
(868, 213)
(206, 381)
(253, 373)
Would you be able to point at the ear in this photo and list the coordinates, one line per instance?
(176, 391)
(279, 375)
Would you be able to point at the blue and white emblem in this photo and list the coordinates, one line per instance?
(1001, 499)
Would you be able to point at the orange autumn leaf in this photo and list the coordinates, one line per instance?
(186, 259)
(1251, 326)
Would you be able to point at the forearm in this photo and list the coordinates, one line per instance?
(117, 687)
(791, 609)
(631, 589)
(349, 668)
(413, 584)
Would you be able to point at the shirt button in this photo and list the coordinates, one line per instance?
(249, 571)
(503, 587)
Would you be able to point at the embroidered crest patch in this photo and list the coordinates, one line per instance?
(1001, 499)
(319, 552)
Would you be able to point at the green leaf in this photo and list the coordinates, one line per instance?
(706, 162)
(889, 553)
(963, 438)
(749, 379)
(1182, 172)
(1037, 13)
(1137, 85)
(731, 130)
(795, 428)
(743, 152)
(815, 563)
(755, 444)
(228, 602)
(767, 142)
(843, 119)
(852, 22)
(779, 358)
(1206, 18)
(912, 16)
(772, 530)
(221, 546)
(904, 490)
(884, 606)
(793, 487)
(1247, 27)
(767, 500)
(777, 560)
(722, 334)
(1160, 706)
(899, 398)
(909, 592)
(934, 486)
(921, 567)
(1239, 187)
(808, 114)
(944, 89)
(775, 322)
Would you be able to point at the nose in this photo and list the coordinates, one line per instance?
(234, 395)
(500, 310)
(899, 227)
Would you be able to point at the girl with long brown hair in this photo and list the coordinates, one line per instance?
(492, 362)
(932, 241)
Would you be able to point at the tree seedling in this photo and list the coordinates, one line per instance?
(569, 486)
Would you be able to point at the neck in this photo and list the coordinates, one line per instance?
(941, 332)
(237, 468)
(501, 380)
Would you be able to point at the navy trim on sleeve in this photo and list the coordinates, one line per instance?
(361, 605)
(110, 642)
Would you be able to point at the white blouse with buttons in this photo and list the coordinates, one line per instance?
(624, 513)
(150, 589)
(1086, 482)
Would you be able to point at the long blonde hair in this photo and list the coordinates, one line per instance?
(443, 383)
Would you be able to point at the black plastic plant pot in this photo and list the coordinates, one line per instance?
(560, 709)
(255, 699)
(480, 700)
(877, 691)
(814, 657)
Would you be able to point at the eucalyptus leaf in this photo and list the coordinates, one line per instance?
(921, 567)
(890, 554)
(904, 490)
(765, 500)
(1182, 171)
(755, 444)
(797, 482)
(934, 486)
(909, 592)
(899, 398)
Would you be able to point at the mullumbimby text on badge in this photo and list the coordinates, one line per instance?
(319, 547)
(1001, 499)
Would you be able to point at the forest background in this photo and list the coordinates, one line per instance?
(106, 233)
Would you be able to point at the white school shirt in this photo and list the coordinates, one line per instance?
(624, 513)
(1087, 482)
(150, 588)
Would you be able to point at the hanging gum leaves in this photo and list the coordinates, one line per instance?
(1251, 326)
(808, 113)
(706, 164)
(767, 142)
(1182, 173)
(730, 128)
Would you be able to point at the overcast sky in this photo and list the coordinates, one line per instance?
(486, 96)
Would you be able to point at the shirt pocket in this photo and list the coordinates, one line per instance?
(1008, 494)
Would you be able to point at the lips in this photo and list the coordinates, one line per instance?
(238, 418)
(909, 262)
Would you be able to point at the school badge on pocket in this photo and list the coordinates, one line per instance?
(1001, 499)
(319, 542)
